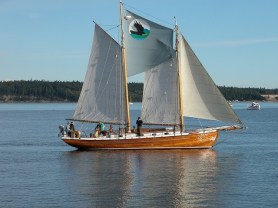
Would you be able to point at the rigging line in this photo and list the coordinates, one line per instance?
(119, 36)
(81, 129)
(112, 28)
(108, 25)
(84, 128)
(166, 22)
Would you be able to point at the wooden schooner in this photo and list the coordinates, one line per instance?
(175, 85)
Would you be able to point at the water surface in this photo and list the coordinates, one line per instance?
(38, 170)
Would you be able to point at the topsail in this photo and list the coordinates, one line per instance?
(148, 44)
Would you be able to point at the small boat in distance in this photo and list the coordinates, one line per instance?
(254, 106)
(176, 85)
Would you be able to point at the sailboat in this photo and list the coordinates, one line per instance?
(176, 85)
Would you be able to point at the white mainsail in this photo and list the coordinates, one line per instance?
(160, 97)
(201, 97)
(103, 97)
(147, 44)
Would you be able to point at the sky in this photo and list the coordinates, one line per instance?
(236, 41)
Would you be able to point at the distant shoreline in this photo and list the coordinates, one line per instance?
(36, 91)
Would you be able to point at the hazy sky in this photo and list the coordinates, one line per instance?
(236, 41)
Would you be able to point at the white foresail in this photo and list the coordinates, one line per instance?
(201, 97)
(102, 97)
(147, 44)
(160, 101)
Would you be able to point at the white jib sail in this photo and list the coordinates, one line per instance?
(201, 97)
(103, 97)
(147, 44)
(160, 101)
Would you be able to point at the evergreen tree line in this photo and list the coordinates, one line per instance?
(60, 91)
(246, 94)
(17, 91)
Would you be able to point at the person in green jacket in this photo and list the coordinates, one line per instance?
(102, 128)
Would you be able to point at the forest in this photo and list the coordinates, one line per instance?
(68, 91)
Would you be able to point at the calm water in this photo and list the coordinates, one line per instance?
(38, 170)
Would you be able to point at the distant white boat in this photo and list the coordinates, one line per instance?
(254, 106)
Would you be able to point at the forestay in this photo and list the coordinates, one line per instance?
(103, 97)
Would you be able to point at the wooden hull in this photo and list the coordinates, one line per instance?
(205, 139)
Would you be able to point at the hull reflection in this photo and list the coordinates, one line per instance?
(125, 178)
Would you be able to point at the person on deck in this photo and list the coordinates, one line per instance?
(97, 131)
(72, 130)
(110, 131)
(68, 129)
(139, 123)
(102, 128)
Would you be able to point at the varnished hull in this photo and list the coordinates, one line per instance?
(191, 140)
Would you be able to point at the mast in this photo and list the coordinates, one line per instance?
(124, 69)
(179, 77)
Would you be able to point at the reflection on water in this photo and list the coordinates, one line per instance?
(195, 181)
(143, 178)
